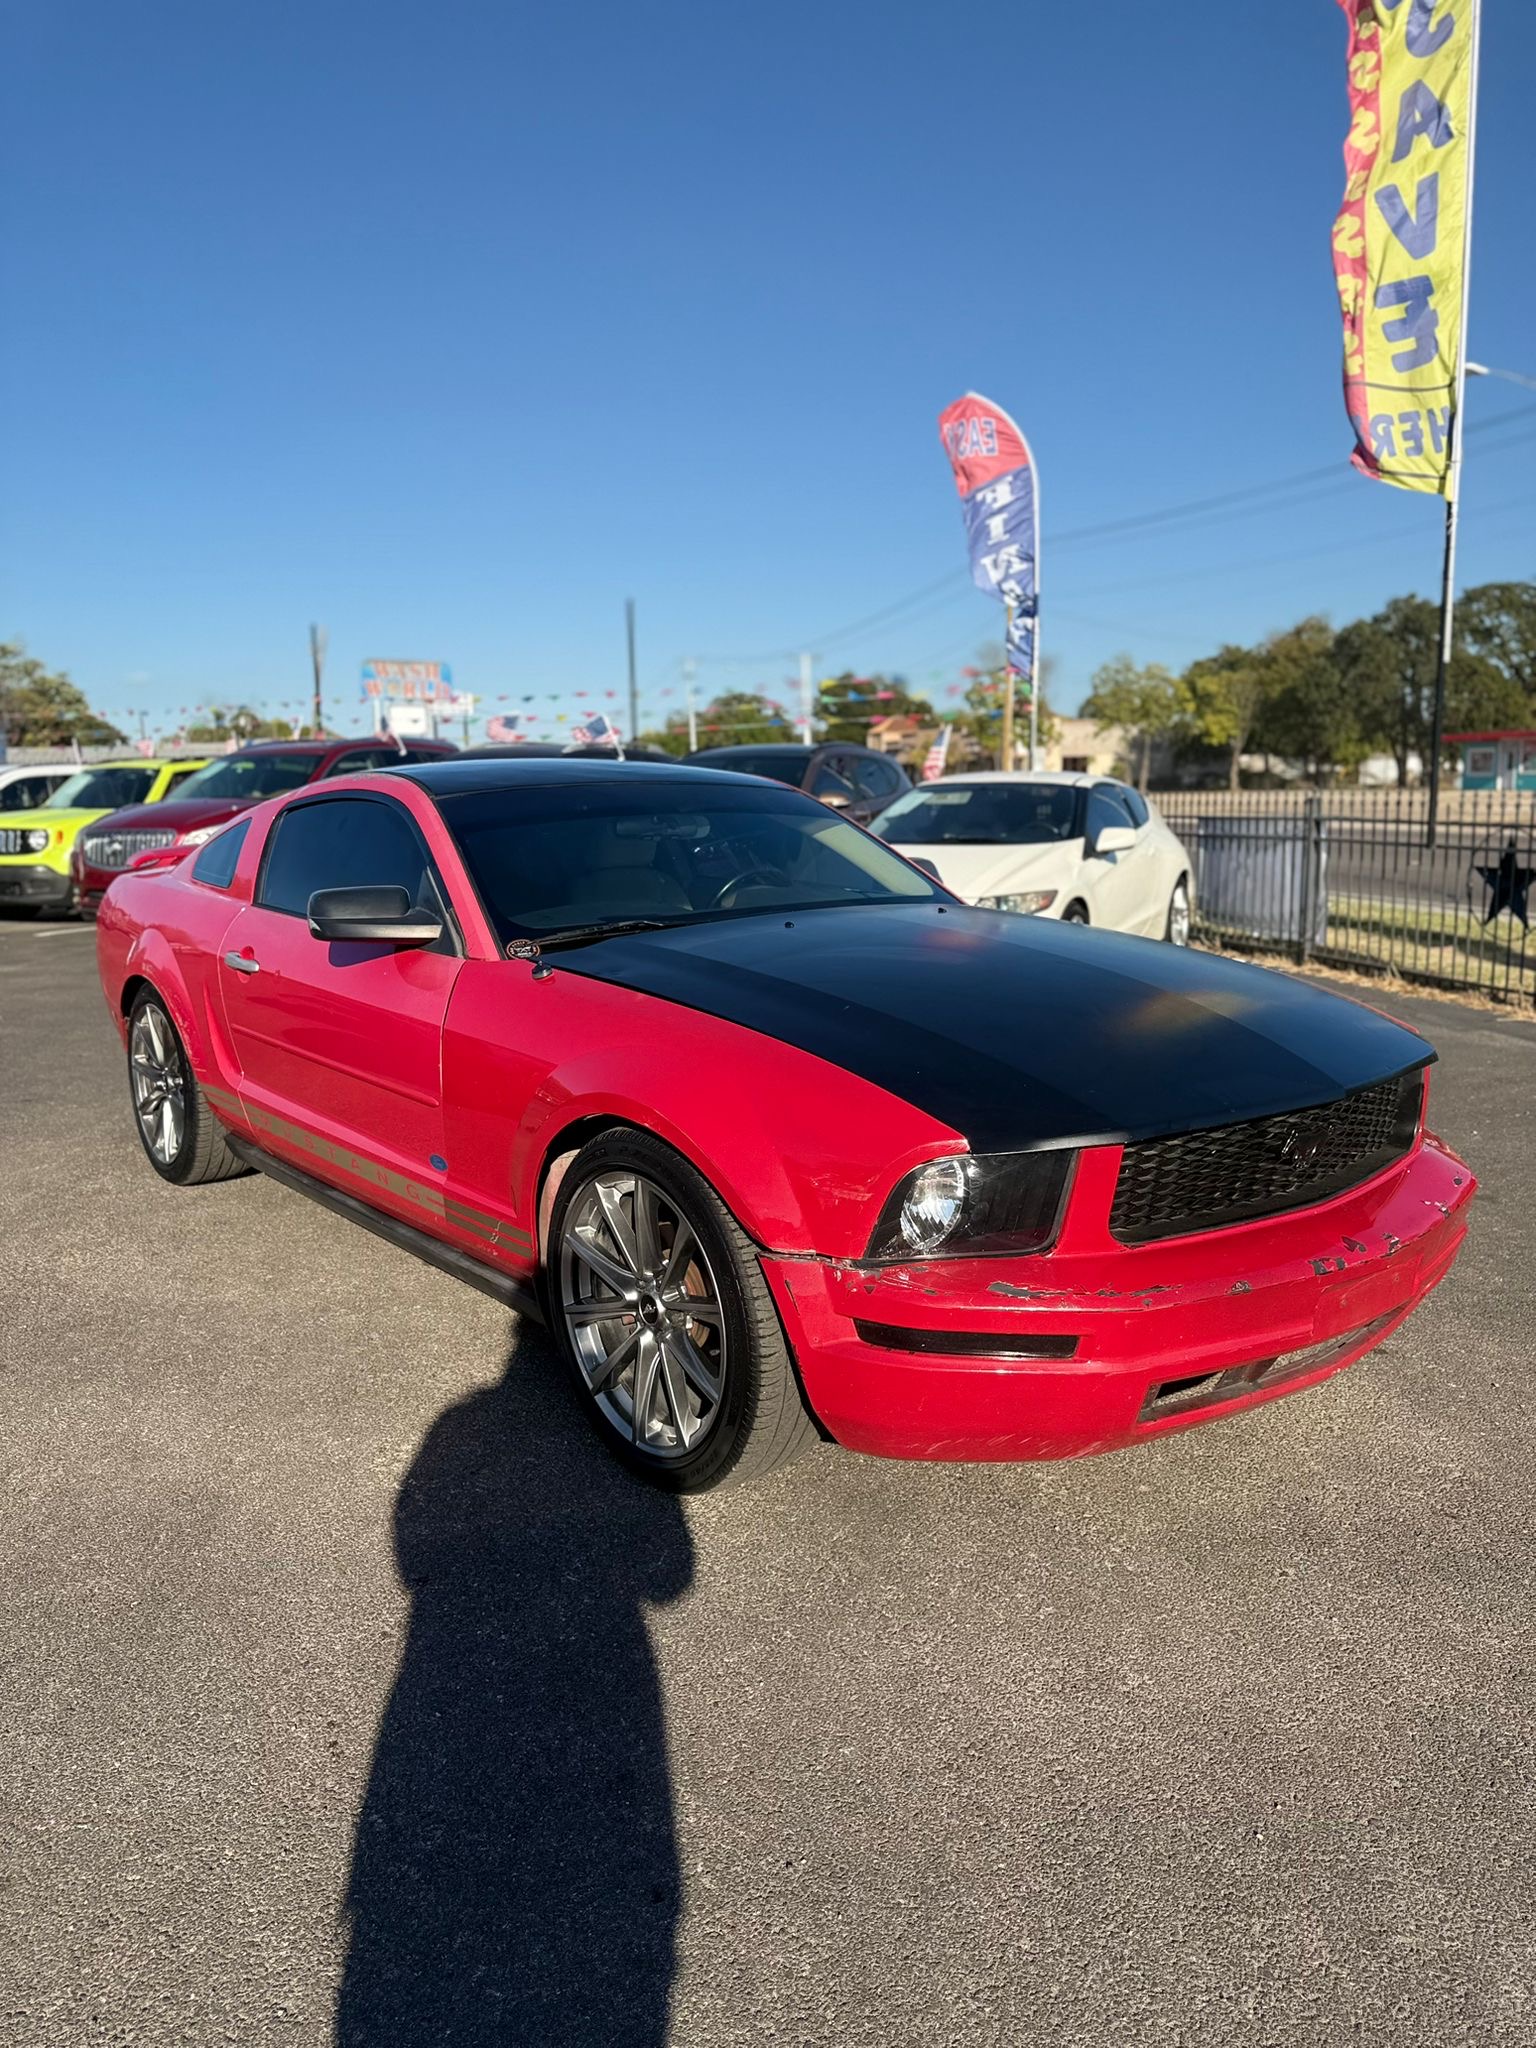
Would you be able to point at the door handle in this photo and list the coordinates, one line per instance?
(241, 965)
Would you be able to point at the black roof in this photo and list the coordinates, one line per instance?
(473, 776)
(780, 749)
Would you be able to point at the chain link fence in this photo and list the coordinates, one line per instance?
(1344, 877)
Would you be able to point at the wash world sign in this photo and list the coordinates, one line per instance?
(1399, 242)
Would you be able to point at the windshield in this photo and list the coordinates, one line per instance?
(547, 859)
(250, 777)
(982, 814)
(103, 789)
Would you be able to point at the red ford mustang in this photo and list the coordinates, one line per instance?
(776, 1134)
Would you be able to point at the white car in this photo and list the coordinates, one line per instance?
(28, 789)
(1079, 847)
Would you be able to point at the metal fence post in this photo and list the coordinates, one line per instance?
(1311, 874)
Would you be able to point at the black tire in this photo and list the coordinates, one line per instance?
(199, 1153)
(24, 913)
(1075, 913)
(758, 1422)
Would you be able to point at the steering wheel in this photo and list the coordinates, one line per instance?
(772, 877)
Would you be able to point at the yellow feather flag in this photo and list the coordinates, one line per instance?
(1400, 239)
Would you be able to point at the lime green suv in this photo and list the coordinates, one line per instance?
(35, 850)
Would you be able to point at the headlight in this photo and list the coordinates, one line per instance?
(36, 842)
(201, 835)
(1026, 901)
(1005, 1202)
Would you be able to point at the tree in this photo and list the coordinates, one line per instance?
(1390, 662)
(982, 719)
(1219, 699)
(672, 739)
(743, 718)
(240, 722)
(1143, 702)
(1309, 710)
(42, 709)
(847, 704)
(1497, 623)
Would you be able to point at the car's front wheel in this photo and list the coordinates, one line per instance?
(181, 1136)
(660, 1305)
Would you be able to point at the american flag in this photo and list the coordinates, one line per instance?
(596, 728)
(937, 755)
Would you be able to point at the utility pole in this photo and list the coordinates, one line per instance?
(1453, 480)
(318, 637)
(634, 699)
(690, 669)
(806, 733)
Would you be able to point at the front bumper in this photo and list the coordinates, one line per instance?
(89, 885)
(1148, 1332)
(32, 883)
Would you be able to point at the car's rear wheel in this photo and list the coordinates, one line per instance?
(660, 1305)
(1177, 932)
(1075, 913)
(182, 1138)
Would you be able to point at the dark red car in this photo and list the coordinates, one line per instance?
(221, 791)
(776, 1133)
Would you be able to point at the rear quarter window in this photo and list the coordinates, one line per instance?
(218, 860)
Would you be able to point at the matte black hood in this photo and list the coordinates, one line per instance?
(1018, 1031)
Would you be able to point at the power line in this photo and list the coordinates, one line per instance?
(949, 587)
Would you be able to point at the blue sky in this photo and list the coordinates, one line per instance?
(453, 326)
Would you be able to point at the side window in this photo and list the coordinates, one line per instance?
(1136, 804)
(1106, 808)
(28, 792)
(830, 779)
(218, 860)
(346, 843)
(181, 771)
(877, 777)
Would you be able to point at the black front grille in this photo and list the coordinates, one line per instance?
(1204, 1180)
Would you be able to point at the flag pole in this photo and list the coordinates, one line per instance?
(1453, 479)
(1006, 762)
(1034, 638)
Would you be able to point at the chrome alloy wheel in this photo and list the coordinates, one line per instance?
(642, 1307)
(1178, 915)
(159, 1086)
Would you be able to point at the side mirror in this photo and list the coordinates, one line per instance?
(382, 915)
(918, 860)
(1113, 839)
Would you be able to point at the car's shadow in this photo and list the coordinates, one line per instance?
(515, 1875)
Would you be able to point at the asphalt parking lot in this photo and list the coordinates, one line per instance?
(348, 1693)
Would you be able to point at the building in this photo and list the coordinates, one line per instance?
(1496, 760)
(1079, 747)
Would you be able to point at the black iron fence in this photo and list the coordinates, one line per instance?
(1344, 877)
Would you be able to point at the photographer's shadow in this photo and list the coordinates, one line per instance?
(514, 1877)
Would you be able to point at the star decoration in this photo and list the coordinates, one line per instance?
(1509, 887)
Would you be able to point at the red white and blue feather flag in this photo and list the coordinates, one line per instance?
(1000, 502)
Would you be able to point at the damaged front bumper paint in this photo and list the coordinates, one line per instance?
(1158, 1337)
